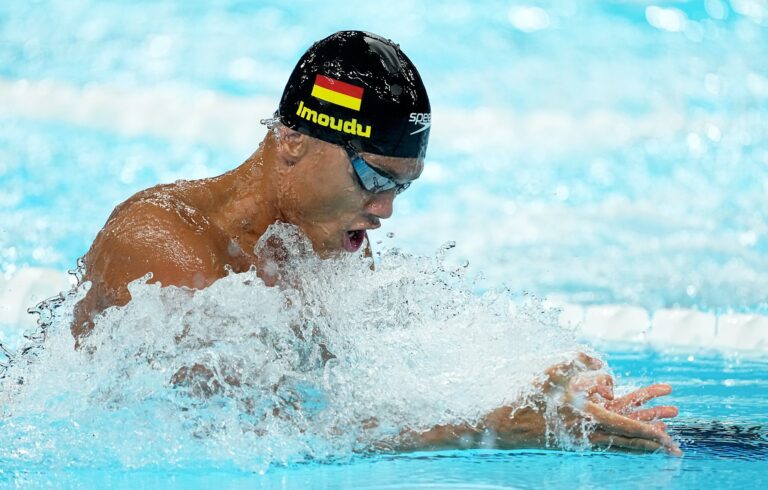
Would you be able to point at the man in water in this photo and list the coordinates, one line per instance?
(350, 134)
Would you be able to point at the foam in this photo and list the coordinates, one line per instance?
(25, 288)
(679, 327)
(236, 373)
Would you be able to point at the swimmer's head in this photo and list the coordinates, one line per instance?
(359, 91)
(351, 133)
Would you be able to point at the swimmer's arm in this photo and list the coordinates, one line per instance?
(525, 428)
(143, 239)
(587, 397)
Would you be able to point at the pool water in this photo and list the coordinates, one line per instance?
(646, 144)
(721, 427)
(591, 152)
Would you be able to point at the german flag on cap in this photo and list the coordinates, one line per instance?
(337, 92)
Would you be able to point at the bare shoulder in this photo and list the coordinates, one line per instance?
(155, 231)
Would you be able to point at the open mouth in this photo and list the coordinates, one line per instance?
(353, 240)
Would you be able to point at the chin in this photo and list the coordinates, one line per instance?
(326, 248)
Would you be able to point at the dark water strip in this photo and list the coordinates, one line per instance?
(722, 440)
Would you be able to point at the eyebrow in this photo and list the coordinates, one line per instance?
(387, 173)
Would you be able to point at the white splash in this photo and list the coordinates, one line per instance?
(240, 375)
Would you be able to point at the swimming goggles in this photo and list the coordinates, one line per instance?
(371, 179)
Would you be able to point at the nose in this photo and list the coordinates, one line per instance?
(380, 204)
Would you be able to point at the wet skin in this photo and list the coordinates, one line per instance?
(188, 233)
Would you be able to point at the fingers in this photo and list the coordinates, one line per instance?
(659, 425)
(639, 397)
(654, 413)
(610, 441)
(559, 374)
(589, 362)
(615, 424)
(590, 386)
(600, 439)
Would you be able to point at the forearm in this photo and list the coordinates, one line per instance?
(503, 428)
(464, 436)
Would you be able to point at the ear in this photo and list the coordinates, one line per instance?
(291, 145)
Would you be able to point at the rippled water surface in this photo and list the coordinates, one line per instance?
(721, 427)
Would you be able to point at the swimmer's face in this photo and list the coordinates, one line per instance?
(323, 196)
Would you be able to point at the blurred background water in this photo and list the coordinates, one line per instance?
(593, 151)
(596, 152)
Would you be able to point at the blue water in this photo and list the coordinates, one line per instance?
(589, 151)
(722, 429)
(647, 146)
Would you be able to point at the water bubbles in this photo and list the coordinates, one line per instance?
(695, 143)
(442, 252)
(273, 374)
(667, 19)
(78, 272)
(159, 46)
(434, 172)
(713, 133)
(748, 238)
(715, 9)
(509, 207)
(528, 19)
(755, 9)
(390, 234)
(243, 69)
(757, 85)
(694, 31)
(712, 83)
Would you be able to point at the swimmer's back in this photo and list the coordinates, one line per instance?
(165, 230)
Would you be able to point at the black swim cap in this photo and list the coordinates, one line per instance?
(356, 88)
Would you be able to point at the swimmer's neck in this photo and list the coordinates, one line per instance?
(244, 200)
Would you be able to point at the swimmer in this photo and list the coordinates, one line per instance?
(349, 135)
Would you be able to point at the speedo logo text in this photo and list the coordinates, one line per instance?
(422, 118)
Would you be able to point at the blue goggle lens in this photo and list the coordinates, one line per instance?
(371, 179)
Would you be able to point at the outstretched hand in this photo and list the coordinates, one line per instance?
(619, 422)
(584, 406)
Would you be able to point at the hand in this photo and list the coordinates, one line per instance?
(586, 395)
(584, 376)
(626, 405)
(581, 397)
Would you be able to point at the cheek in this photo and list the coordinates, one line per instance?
(331, 202)
(328, 197)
